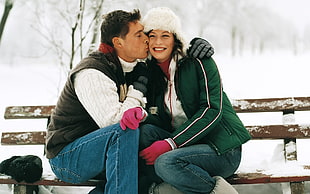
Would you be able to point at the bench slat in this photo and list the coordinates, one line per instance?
(279, 131)
(271, 104)
(257, 132)
(241, 178)
(23, 138)
(260, 178)
(28, 112)
(240, 105)
(54, 182)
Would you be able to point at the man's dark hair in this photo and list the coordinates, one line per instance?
(116, 24)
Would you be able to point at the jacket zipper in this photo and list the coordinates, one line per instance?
(170, 102)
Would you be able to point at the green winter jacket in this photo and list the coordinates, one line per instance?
(211, 117)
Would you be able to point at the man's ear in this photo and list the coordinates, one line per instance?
(117, 42)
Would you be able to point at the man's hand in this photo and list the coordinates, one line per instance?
(151, 153)
(200, 48)
(132, 118)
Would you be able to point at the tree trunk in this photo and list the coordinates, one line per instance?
(233, 40)
(7, 8)
(94, 37)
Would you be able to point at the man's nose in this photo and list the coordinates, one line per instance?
(146, 39)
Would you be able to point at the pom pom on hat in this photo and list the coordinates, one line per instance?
(163, 18)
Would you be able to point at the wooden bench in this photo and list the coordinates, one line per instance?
(288, 132)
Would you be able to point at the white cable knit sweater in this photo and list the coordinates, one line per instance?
(98, 94)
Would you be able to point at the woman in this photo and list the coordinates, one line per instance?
(198, 138)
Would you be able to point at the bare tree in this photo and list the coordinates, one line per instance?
(7, 8)
(79, 24)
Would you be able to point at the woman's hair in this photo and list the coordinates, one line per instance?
(177, 48)
(116, 24)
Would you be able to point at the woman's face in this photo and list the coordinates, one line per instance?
(161, 44)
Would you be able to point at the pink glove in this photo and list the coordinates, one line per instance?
(153, 151)
(131, 118)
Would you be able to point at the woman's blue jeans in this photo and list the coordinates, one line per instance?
(109, 150)
(190, 169)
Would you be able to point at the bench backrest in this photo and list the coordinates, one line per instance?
(285, 105)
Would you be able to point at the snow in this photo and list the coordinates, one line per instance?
(248, 76)
(262, 76)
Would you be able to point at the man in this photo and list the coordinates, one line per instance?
(84, 137)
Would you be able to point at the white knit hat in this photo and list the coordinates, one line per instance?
(163, 18)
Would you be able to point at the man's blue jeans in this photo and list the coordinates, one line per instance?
(109, 150)
(190, 169)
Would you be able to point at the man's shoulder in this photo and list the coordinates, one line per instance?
(94, 60)
(95, 57)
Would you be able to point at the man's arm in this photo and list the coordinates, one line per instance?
(98, 94)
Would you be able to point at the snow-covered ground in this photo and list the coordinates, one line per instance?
(272, 75)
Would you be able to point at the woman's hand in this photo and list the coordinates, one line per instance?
(151, 153)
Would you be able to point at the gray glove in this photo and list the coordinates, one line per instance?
(140, 84)
(140, 76)
(200, 48)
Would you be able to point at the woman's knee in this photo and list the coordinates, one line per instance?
(165, 164)
(168, 166)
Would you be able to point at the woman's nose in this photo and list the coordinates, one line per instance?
(158, 40)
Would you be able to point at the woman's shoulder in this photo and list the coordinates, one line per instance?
(190, 60)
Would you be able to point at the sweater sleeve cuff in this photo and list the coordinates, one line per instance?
(136, 94)
(145, 114)
(171, 143)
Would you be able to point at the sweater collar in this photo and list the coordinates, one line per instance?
(107, 49)
(127, 66)
(165, 67)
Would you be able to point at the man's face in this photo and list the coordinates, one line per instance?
(134, 45)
